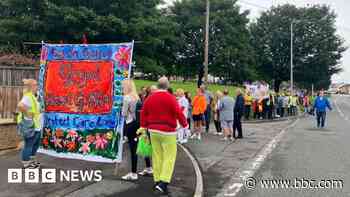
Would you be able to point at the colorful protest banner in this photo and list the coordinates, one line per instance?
(257, 89)
(81, 96)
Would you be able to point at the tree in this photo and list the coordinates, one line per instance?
(230, 53)
(102, 21)
(317, 48)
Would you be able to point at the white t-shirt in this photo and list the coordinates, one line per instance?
(26, 101)
(183, 102)
(129, 109)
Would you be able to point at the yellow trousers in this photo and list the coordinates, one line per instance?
(164, 150)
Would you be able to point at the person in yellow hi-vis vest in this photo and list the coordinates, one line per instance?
(248, 101)
(293, 103)
(29, 123)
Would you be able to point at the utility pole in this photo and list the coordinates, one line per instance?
(291, 58)
(206, 44)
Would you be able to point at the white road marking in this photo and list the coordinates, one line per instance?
(346, 118)
(236, 187)
(252, 166)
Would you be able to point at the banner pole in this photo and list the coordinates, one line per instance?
(117, 164)
(116, 168)
(131, 56)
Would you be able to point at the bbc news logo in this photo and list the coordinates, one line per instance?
(51, 175)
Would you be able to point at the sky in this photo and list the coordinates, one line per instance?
(341, 8)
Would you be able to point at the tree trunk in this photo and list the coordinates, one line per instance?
(277, 85)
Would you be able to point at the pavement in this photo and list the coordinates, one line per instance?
(218, 160)
(183, 182)
(311, 154)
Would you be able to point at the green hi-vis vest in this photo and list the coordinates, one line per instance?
(34, 109)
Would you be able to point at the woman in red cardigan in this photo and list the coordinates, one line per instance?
(159, 115)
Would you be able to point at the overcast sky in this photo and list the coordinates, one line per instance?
(341, 7)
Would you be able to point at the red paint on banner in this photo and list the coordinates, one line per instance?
(83, 87)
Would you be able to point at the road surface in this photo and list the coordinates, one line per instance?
(311, 161)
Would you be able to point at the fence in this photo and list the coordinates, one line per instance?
(8, 135)
(9, 98)
(11, 87)
(13, 75)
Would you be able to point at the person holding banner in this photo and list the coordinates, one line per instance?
(159, 115)
(129, 110)
(29, 124)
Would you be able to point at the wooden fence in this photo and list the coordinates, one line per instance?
(11, 87)
(13, 75)
(9, 98)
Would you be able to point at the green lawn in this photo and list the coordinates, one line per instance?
(187, 86)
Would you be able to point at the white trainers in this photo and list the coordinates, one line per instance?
(199, 137)
(125, 140)
(146, 171)
(220, 133)
(193, 136)
(130, 177)
(29, 165)
(224, 139)
(34, 161)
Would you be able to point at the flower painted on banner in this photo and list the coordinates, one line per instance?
(71, 146)
(64, 142)
(126, 74)
(45, 142)
(80, 138)
(72, 134)
(90, 138)
(59, 133)
(57, 142)
(123, 56)
(109, 135)
(48, 131)
(85, 148)
(100, 142)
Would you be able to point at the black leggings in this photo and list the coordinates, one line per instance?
(189, 123)
(217, 126)
(130, 131)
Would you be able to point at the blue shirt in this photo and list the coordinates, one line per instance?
(321, 103)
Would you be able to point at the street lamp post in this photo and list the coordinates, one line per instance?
(291, 58)
(206, 44)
